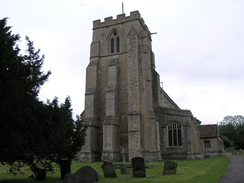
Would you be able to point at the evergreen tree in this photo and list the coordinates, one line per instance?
(32, 132)
(20, 81)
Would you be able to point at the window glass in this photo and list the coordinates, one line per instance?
(174, 134)
(112, 45)
(207, 144)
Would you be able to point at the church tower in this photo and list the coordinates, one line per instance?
(122, 92)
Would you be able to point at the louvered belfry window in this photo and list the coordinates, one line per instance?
(114, 42)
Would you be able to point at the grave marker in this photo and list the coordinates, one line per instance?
(170, 167)
(138, 167)
(108, 170)
(85, 174)
(123, 152)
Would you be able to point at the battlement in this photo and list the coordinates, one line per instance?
(120, 19)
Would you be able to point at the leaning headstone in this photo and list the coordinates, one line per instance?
(138, 167)
(109, 170)
(170, 167)
(85, 174)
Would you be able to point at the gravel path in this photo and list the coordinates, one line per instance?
(235, 171)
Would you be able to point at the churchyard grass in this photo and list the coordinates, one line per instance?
(209, 170)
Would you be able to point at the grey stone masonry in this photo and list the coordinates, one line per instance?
(110, 125)
(134, 116)
(135, 15)
(119, 100)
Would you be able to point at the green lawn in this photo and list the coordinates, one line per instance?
(209, 170)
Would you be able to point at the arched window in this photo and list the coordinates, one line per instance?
(114, 43)
(174, 134)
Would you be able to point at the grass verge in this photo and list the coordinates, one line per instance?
(209, 170)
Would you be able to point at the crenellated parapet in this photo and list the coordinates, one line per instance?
(135, 15)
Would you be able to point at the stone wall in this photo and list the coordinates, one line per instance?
(191, 147)
(216, 149)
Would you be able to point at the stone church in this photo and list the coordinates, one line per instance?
(125, 107)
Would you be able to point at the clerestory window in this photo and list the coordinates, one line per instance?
(114, 43)
(174, 134)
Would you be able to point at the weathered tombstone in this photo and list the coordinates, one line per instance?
(123, 152)
(124, 169)
(108, 170)
(170, 167)
(85, 174)
(138, 167)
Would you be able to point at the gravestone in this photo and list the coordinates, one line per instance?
(170, 167)
(85, 174)
(123, 152)
(109, 170)
(69, 178)
(138, 167)
(125, 169)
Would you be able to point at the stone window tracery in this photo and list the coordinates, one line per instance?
(174, 134)
(114, 42)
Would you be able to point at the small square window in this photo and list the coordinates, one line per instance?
(207, 144)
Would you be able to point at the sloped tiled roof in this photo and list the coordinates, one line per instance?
(82, 115)
(208, 131)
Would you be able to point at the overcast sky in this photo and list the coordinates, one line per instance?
(199, 47)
